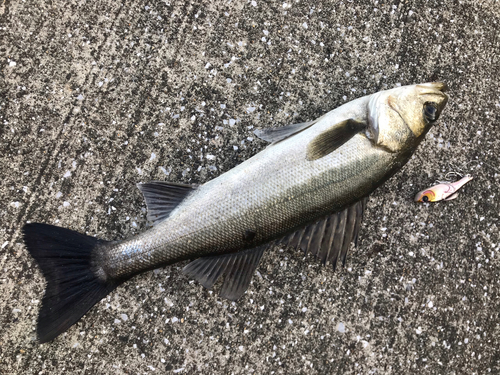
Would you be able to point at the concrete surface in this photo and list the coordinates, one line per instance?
(97, 96)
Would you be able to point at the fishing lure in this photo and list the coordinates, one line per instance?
(443, 191)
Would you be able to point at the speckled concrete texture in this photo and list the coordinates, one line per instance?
(97, 96)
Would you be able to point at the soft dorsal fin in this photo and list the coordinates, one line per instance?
(330, 238)
(238, 267)
(275, 135)
(162, 197)
(331, 139)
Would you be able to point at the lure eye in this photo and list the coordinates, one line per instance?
(431, 112)
(425, 198)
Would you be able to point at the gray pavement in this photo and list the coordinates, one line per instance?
(97, 96)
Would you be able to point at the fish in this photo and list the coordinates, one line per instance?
(444, 191)
(307, 190)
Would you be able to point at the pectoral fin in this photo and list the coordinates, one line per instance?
(331, 139)
(238, 267)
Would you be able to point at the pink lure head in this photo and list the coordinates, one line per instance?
(426, 196)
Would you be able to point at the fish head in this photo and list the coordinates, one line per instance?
(400, 118)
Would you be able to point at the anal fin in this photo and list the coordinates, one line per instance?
(238, 267)
(329, 239)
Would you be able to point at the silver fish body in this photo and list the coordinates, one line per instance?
(306, 189)
(274, 193)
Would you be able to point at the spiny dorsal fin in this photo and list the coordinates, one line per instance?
(331, 139)
(330, 238)
(275, 135)
(238, 267)
(162, 197)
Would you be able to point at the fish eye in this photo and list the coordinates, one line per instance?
(431, 111)
(425, 198)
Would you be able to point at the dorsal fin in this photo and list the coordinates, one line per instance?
(330, 238)
(274, 135)
(238, 267)
(162, 197)
(334, 137)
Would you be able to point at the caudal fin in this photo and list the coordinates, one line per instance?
(65, 258)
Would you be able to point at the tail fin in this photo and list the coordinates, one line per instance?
(65, 258)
